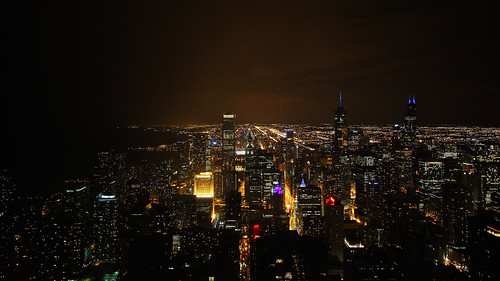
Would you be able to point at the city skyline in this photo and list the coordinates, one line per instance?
(267, 202)
(71, 72)
(249, 140)
(62, 158)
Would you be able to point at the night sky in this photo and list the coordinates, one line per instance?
(72, 70)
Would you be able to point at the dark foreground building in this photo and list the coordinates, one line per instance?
(288, 256)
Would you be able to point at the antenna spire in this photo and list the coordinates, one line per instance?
(340, 97)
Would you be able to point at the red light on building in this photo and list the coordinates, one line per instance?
(256, 231)
(330, 201)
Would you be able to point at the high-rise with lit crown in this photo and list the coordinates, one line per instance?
(334, 221)
(410, 124)
(204, 185)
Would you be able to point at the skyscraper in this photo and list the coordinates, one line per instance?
(106, 228)
(253, 177)
(262, 176)
(289, 151)
(340, 137)
(76, 208)
(455, 222)
(366, 185)
(334, 219)
(309, 207)
(204, 185)
(228, 153)
(404, 143)
(233, 209)
(341, 168)
(410, 124)
(204, 191)
(279, 220)
(249, 143)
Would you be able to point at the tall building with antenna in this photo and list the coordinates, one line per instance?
(340, 137)
(341, 164)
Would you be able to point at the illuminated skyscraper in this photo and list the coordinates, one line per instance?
(278, 201)
(204, 191)
(410, 124)
(249, 143)
(253, 181)
(228, 153)
(76, 208)
(309, 207)
(216, 167)
(356, 139)
(208, 154)
(262, 176)
(290, 153)
(341, 131)
(396, 136)
(204, 185)
(106, 228)
(366, 185)
(341, 167)
(279, 220)
(430, 176)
